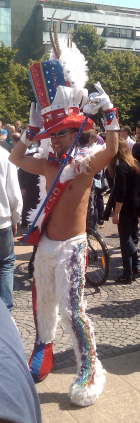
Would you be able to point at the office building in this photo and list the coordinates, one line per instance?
(24, 24)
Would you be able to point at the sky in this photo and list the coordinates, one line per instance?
(123, 3)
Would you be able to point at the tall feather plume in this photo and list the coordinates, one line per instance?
(72, 61)
(51, 36)
(68, 39)
(56, 34)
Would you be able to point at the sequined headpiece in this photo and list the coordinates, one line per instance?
(59, 83)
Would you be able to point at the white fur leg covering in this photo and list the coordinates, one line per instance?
(85, 396)
(89, 382)
(47, 309)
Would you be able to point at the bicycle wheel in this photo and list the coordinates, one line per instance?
(98, 259)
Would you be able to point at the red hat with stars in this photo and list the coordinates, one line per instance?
(58, 86)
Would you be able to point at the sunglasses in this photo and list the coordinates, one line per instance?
(61, 133)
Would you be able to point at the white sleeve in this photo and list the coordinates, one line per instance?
(14, 193)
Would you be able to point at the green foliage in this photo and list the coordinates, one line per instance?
(71, 5)
(88, 42)
(16, 92)
(118, 72)
(14, 85)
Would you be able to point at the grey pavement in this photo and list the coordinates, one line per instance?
(115, 312)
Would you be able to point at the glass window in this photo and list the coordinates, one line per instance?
(116, 32)
(129, 33)
(4, 28)
(2, 3)
(123, 33)
(64, 27)
(110, 32)
(54, 24)
(4, 20)
(138, 34)
(47, 25)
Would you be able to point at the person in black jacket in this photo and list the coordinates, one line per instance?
(126, 173)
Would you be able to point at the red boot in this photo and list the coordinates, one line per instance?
(42, 359)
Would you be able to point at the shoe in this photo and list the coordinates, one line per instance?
(123, 280)
(136, 273)
(41, 361)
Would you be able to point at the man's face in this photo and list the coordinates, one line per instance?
(62, 141)
(123, 134)
(18, 126)
(0, 124)
(137, 134)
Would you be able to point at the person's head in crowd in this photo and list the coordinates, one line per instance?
(0, 133)
(25, 126)
(97, 130)
(3, 132)
(124, 154)
(15, 138)
(18, 126)
(136, 151)
(11, 130)
(125, 132)
(93, 136)
(138, 131)
(84, 139)
(7, 127)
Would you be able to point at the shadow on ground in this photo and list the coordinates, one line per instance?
(21, 278)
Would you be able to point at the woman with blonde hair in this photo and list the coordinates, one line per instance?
(125, 173)
(11, 129)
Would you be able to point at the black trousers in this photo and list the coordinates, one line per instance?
(128, 249)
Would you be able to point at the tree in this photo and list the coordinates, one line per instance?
(13, 87)
(118, 72)
(16, 92)
(88, 42)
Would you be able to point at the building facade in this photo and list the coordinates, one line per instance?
(120, 28)
(24, 25)
(5, 22)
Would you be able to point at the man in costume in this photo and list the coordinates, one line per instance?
(60, 261)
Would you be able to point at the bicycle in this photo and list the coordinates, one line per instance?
(98, 259)
(98, 255)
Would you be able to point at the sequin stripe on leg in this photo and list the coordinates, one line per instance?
(81, 324)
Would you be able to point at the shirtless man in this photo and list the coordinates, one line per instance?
(61, 256)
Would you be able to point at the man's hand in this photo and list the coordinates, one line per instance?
(97, 100)
(35, 124)
(35, 117)
(14, 230)
(115, 219)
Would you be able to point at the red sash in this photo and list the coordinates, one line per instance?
(35, 236)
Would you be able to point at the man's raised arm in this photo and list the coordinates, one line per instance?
(29, 164)
(102, 157)
(18, 154)
(111, 124)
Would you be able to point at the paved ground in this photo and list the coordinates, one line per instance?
(115, 312)
(114, 309)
